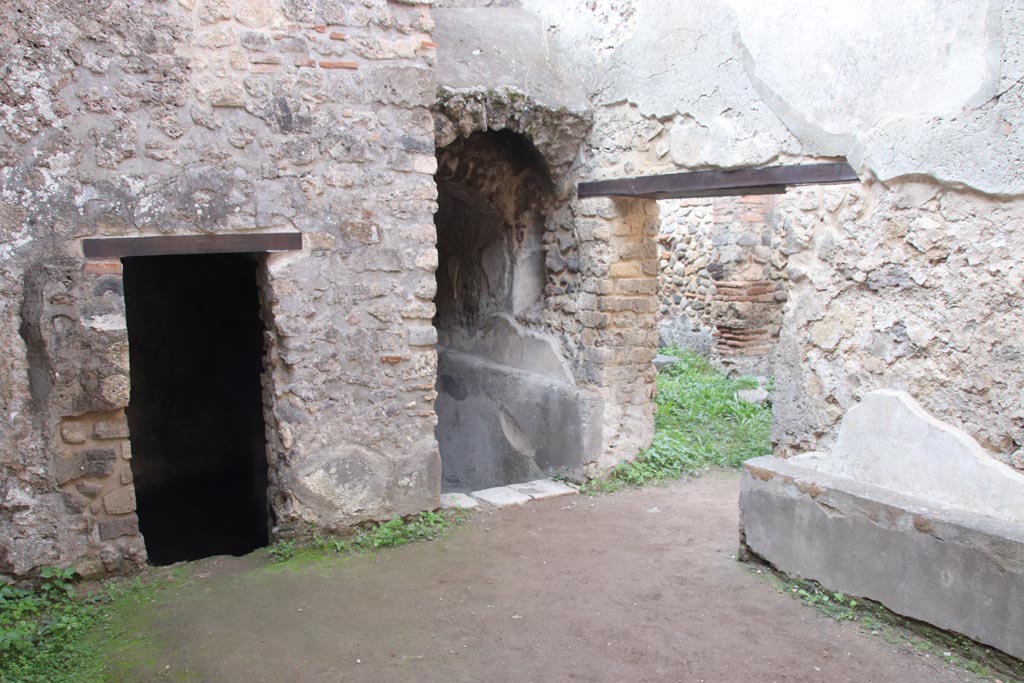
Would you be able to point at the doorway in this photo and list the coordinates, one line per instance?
(196, 412)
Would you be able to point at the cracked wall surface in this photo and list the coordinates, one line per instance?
(908, 281)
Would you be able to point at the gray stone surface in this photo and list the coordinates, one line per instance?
(661, 361)
(498, 424)
(458, 501)
(501, 496)
(544, 488)
(756, 396)
(956, 570)
(497, 48)
(905, 510)
(889, 441)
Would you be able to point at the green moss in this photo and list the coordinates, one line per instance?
(425, 526)
(698, 423)
(907, 634)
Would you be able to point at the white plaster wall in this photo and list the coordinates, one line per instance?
(917, 87)
(924, 97)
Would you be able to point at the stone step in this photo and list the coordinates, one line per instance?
(518, 494)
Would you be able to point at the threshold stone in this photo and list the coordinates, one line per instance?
(458, 501)
(518, 494)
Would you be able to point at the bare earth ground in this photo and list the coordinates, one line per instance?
(636, 586)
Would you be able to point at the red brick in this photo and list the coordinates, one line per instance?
(338, 65)
(337, 35)
(102, 267)
(428, 44)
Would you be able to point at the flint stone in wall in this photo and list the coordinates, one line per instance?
(119, 526)
(96, 463)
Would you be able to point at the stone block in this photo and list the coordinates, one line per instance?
(119, 526)
(661, 362)
(96, 463)
(458, 501)
(88, 489)
(422, 336)
(905, 510)
(543, 488)
(254, 13)
(111, 429)
(120, 502)
(73, 432)
(755, 396)
(501, 496)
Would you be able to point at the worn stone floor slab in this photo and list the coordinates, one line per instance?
(458, 501)
(602, 589)
(543, 488)
(501, 496)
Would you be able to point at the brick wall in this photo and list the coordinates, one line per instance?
(722, 279)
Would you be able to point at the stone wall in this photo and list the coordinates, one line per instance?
(320, 116)
(915, 286)
(927, 109)
(202, 117)
(723, 279)
(601, 266)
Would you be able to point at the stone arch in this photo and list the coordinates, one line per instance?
(601, 266)
(504, 181)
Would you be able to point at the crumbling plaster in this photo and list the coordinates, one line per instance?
(740, 82)
(924, 98)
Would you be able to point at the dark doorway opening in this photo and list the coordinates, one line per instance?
(196, 412)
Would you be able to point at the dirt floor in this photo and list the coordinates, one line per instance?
(636, 586)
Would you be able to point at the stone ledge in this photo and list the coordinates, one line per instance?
(956, 569)
(519, 494)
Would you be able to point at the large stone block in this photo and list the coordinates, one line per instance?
(499, 424)
(905, 510)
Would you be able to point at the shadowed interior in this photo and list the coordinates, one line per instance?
(507, 409)
(196, 413)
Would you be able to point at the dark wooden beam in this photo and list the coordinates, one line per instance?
(770, 180)
(163, 245)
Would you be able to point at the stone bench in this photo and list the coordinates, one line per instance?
(905, 510)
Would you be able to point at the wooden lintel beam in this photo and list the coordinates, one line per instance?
(171, 245)
(770, 180)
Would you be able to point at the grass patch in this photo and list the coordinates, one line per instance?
(41, 630)
(51, 635)
(426, 526)
(901, 632)
(698, 423)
